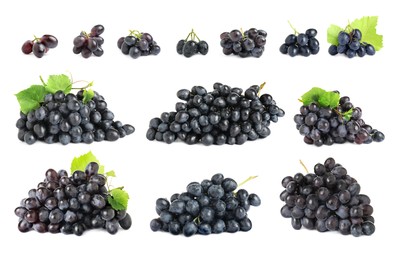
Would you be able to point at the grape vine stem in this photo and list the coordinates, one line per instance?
(294, 29)
(248, 179)
(305, 168)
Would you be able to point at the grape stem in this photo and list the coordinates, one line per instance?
(305, 168)
(42, 81)
(35, 38)
(135, 33)
(193, 35)
(197, 220)
(90, 84)
(294, 29)
(248, 179)
(243, 34)
(261, 87)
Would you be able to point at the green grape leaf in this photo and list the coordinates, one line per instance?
(80, 163)
(110, 174)
(312, 96)
(101, 169)
(87, 95)
(31, 98)
(329, 99)
(58, 82)
(118, 199)
(348, 114)
(333, 33)
(367, 26)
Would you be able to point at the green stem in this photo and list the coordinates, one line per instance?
(135, 33)
(248, 179)
(42, 81)
(305, 168)
(243, 33)
(197, 220)
(294, 29)
(89, 84)
(261, 87)
(35, 38)
(196, 36)
(189, 34)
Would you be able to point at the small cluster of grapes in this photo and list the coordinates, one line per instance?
(70, 205)
(224, 116)
(328, 200)
(205, 208)
(66, 118)
(246, 44)
(350, 44)
(89, 44)
(138, 44)
(40, 46)
(190, 47)
(303, 44)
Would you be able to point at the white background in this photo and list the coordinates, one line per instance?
(137, 90)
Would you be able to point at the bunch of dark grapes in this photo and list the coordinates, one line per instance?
(350, 44)
(303, 44)
(328, 200)
(323, 125)
(70, 205)
(89, 44)
(66, 118)
(246, 44)
(138, 44)
(40, 46)
(208, 207)
(190, 47)
(224, 116)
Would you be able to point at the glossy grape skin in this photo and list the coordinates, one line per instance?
(97, 30)
(38, 49)
(49, 41)
(27, 47)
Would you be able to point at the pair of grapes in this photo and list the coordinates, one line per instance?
(89, 44)
(40, 46)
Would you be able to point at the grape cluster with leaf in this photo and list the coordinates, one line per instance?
(326, 118)
(51, 113)
(359, 38)
(72, 204)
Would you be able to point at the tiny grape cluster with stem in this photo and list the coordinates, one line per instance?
(40, 46)
(138, 44)
(88, 44)
(192, 45)
(303, 44)
(244, 43)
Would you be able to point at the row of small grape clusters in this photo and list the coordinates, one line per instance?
(249, 43)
